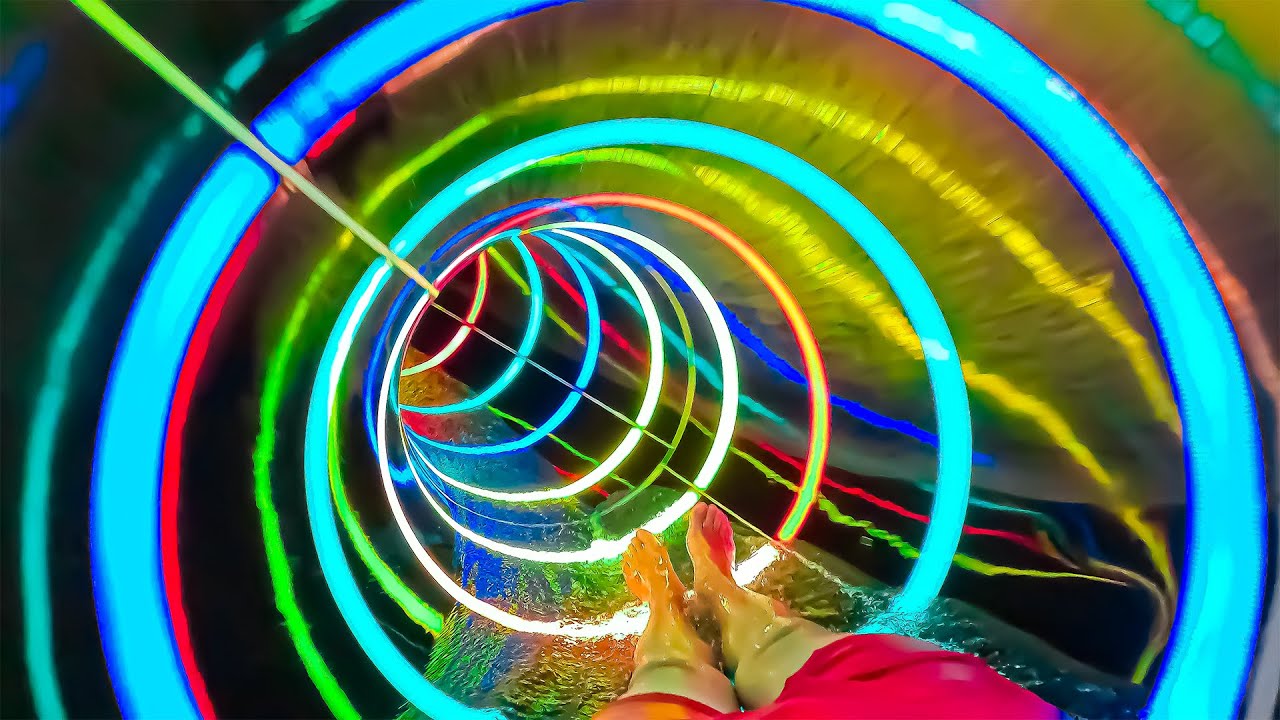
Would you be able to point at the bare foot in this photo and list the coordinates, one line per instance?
(747, 619)
(711, 547)
(669, 636)
(647, 569)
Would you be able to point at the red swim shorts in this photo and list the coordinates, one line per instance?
(868, 677)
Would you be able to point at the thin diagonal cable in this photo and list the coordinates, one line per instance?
(542, 368)
(123, 33)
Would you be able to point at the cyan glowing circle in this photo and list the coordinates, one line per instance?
(619, 624)
(951, 400)
(589, 358)
(648, 404)
(527, 340)
(721, 440)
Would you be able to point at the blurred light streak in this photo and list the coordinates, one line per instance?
(864, 293)
(402, 674)
(243, 69)
(41, 445)
(904, 548)
(1090, 296)
(1209, 34)
(1025, 541)
(20, 81)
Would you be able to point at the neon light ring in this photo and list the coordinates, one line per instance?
(1207, 661)
(950, 394)
(648, 405)
(590, 356)
(510, 218)
(599, 549)
(817, 381)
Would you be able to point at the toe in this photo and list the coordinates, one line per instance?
(634, 580)
(696, 519)
(717, 523)
(715, 519)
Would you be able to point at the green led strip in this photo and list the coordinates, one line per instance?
(634, 433)
(276, 381)
(826, 505)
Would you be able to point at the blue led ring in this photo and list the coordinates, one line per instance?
(562, 412)
(527, 340)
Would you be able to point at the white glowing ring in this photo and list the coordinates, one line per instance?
(648, 405)
(599, 549)
(628, 621)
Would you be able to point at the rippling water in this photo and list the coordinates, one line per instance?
(532, 676)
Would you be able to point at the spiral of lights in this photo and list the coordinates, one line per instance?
(136, 470)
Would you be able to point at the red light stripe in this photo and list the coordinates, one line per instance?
(331, 135)
(1026, 541)
(171, 474)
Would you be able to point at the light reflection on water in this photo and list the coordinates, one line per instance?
(554, 677)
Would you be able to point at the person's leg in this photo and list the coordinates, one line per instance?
(763, 643)
(670, 657)
(852, 676)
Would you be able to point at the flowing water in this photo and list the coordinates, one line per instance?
(538, 676)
